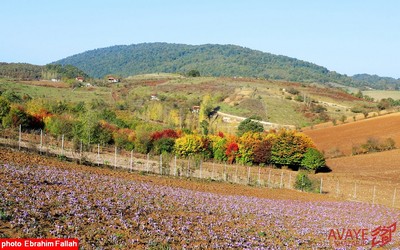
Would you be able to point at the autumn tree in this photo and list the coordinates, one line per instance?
(188, 145)
(289, 148)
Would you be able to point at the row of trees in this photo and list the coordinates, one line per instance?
(91, 123)
(281, 148)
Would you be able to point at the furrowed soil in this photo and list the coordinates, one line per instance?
(8, 156)
(343, 137)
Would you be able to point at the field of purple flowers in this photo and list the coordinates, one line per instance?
(106, 212)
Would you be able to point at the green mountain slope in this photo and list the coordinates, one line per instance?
(25, 71)
(212, 60)
(209, 59)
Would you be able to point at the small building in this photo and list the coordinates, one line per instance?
(154, 97)
(196, 109)
(112, 79)
(80, 78)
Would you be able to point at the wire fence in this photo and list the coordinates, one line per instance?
(375, 192)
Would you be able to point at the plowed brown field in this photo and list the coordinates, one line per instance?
(344, 137)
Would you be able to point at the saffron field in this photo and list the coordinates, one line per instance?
(111, 212)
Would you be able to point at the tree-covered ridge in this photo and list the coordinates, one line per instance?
(25, 71)
(377, 81)
(209, 60)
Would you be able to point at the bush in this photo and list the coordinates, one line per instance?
(4, 107)
(313, 160)
(16, 117)
(303, 183)
(163, 145)
(219, 149)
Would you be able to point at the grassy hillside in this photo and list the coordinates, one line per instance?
(176, 95)
(209, 60)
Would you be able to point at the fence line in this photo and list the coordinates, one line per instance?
(194, 167)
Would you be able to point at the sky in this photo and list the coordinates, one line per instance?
(346, 36)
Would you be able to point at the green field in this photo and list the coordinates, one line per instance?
(382, 94)
(50, 93)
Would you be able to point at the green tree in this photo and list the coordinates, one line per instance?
(206, 108)
(163, 145)
(204, 125)
(16, 117)
(4, 107)
(303, 183)
(193, 73)
(219, 149)
(313, 160)
(248, 125)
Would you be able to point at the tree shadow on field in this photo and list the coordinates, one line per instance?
(324, 169)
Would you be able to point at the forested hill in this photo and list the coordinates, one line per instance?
(26, 71)
(209, 60)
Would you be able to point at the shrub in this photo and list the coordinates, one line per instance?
(163, 145)
(303, 183)
(219, 149)
(313, 160)
(231, 151)
(188, 145)
(388, 144)
(4, 107)
(16, 117)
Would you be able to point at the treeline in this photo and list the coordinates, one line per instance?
(93, 123)
(210, 60)
(25, 71)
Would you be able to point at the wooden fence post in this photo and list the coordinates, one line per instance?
(41, 140)
(115, 158)
(147, 163)
(269, 178)
(62, 145)
(80, 153)
(248, 175)
(175, 170)
(236, 174)
(213, 170)
(98, 154)
(320, 188)
(201, 168)
(19, 137)
(131, 163)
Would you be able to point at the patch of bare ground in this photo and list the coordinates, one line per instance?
(343, 137)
